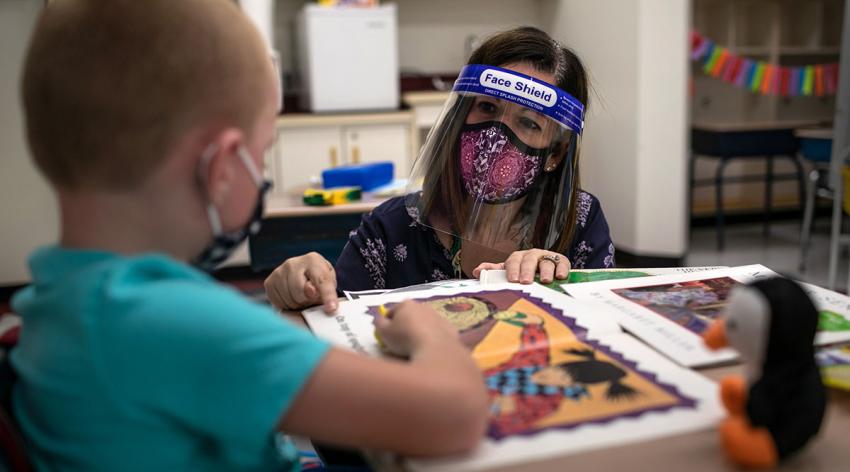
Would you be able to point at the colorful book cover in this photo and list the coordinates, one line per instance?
(453, 283)
(670, 312)
(561, 374)
(834, 366)
(577, 276)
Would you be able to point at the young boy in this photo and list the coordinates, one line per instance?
(149, 119)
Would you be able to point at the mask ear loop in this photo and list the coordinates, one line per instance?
(212, 212)
(249, 164)
(263, 186)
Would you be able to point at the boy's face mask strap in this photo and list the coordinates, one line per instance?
(223, 244)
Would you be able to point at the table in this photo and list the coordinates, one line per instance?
(695, 452)
(290, 206)
(747, 140)
(291, 229)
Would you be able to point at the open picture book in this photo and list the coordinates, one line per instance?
(561, 374)
(577, 276)
(670, 312)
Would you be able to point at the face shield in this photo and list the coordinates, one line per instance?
(498, 170)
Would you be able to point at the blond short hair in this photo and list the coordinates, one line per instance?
(109, 85)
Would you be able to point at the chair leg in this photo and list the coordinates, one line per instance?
(808, 217)
(801, 180)
(720, 220)
(768, 195)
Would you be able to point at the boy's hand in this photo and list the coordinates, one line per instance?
(409, 326)
(521, 266)
(303, 281)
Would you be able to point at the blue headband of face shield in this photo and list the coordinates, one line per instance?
(521, 89)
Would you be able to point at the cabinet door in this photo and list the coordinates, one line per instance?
(301, 154)
(373, 143)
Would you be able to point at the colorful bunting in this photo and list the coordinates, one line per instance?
(808, 80)
(762, 77)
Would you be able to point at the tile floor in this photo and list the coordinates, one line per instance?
(780, 252)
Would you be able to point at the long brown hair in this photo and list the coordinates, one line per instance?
(442, 188)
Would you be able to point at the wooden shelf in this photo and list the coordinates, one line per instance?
(809, 51)
(791, 33)
(751, 50)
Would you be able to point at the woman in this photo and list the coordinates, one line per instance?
(496, 184)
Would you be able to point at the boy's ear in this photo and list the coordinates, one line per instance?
(222, 167)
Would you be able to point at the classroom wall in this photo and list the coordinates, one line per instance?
(434, 35)
(439, 35)
(27, 206)
(663, 128)
(634, 147)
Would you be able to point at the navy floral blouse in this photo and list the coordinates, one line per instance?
(391, 249)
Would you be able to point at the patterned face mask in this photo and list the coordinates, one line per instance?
(495, 165)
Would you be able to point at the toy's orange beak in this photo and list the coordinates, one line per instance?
(715, 335)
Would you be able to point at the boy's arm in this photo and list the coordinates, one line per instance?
(436, 403)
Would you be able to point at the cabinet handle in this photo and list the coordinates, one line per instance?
(355, 155)
(334, 160)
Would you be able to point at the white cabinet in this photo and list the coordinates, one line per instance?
(308, 144)
(301, 154)
(375, 143)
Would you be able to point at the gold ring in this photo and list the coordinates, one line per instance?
(553, 258)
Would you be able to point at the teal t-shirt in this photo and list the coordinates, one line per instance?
(144, 363)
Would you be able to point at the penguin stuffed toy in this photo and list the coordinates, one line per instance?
(778, 407)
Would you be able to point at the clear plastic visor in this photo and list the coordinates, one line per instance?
(493, 177)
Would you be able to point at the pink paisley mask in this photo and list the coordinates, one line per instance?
(495, 165)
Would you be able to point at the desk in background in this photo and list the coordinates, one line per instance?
(291, 228)
(755, 140)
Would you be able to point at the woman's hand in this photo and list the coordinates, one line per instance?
(303, 281)
(522, 266)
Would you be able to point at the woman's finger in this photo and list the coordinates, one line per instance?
(562, 271)
(546, 267)
(512, 266)
(528, 266)
(274, 285)
(295, 288)
(323, 281)
(476, 272)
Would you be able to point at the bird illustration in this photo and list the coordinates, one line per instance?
(593, 371)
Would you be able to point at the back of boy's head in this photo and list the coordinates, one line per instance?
(109, 86)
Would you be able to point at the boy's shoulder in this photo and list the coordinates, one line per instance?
(159, 292)
(136, 295)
